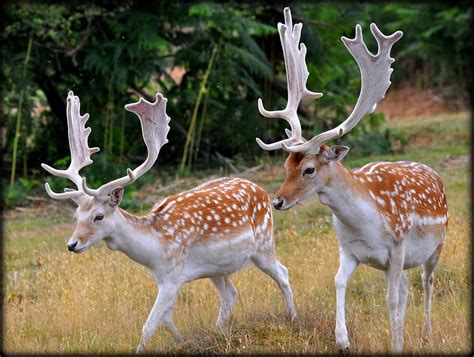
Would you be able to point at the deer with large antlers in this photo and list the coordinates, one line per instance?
(210, 231)
(389, 215)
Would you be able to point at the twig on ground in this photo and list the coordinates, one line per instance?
(227, 161)
(36, 198)
(250, 170)
(173, 184)
(24, 209)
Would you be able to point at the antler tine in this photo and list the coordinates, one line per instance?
(62, 196)
(385, 43)
(296, 77)
(80, 150)
(155, 128)
(375, 77)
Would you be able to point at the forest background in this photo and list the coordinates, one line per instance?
(212, 61)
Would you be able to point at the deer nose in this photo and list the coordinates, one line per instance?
(278, 202)
(71, 246)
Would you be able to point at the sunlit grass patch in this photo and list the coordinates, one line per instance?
(97, 301)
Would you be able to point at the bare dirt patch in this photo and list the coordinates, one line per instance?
(454, 162)
(407, 101)
(31, 208)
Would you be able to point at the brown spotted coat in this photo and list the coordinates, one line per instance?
(405, 193)
(214, 211)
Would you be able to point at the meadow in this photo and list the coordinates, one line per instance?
(97, 302)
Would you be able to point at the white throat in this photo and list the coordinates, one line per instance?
(345, 202)
(139, 244)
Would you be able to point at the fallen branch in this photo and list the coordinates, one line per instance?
(24, 209)
(227, 161)
(250, 170)
(36, 198)
(173, 184)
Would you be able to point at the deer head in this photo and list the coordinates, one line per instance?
(97, 207)
(311, 164)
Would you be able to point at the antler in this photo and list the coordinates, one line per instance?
(375, 74)
(155, 128)
(296, 76)
(80, 150)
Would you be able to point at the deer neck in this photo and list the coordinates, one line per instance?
(346, 197)
(135, 237)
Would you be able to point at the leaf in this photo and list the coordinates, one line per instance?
(202, 10)
(253, 63)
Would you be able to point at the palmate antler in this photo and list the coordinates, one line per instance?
(375, 76)
(80, 151)
(155, 128)
(296, 77)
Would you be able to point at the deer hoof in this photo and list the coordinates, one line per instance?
(343, 346)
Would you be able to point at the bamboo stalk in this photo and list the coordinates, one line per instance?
(18, 117)
(201, 125)
(192, 125)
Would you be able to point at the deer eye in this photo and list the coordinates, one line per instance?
(99, 217)
(308, 171)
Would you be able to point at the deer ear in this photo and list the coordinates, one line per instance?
(336, 153)
(115, 197)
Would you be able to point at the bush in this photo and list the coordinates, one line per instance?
(20, 190)
(370, 139)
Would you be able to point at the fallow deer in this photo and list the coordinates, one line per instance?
(389, 215)
(210, 231)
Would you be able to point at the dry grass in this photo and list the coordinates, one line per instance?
(97, 301)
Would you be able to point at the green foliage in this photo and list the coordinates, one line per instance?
(130, 203)
(371, 143)
(109, 52)
(370, 138)
(20, 190)
(437, 44)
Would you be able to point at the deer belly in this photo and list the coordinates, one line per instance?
(219, 255)
(421, 243)
(368, 254)
(366, 245)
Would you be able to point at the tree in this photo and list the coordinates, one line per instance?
(229, 55)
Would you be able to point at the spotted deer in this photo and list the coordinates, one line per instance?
(389, 215)
(210, 231)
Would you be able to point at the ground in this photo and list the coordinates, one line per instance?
(55, 301)
(406, 101)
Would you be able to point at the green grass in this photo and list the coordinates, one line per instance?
(98, 301)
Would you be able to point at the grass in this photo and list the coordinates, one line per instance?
(96, 302)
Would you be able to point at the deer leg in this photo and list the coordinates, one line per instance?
(403, 297)
(347, 265)
(168, 322)
(228, 294)
(394, 277)
(427, 278)
(161, 313)
(278, 272)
